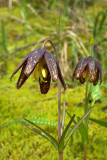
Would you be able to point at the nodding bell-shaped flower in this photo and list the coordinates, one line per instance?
(88, 68)
(42, 62)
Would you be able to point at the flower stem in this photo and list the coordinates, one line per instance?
(48, 40)
(59, 115)
(85, 110)
(59, 93)
(60, 155)
(85, 151)
(86, 93)
(59, 109)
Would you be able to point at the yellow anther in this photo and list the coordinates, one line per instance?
(77, 75)
(44, 72)
(85, 74)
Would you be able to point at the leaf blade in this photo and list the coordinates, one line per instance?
(82, 129)
(61, 141)
(77, 124)
(43, 133)
(63, 119)
(100, 122)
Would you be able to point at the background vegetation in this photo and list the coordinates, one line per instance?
(23, 27)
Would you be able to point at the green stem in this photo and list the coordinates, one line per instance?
(59, 116)
(59, 94)
(86, 93)
(59, 109)
(85, 110)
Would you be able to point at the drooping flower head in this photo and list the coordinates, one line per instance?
(88, 68)
(42, 62)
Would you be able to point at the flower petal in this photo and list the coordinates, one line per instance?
(100, 70)
(61, 77)
(52, 66)
(22, 77)
(96, 80)
(80, 68)
(82, 80)
(92, 69)
(20, 65)
(33, 60)
(44, 86)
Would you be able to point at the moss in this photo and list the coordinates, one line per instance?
(18, 142)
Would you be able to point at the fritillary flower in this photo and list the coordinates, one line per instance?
(88, 68)
(41, 62)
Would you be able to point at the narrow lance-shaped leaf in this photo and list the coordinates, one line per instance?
(83, 131)
(43, 133)
(4, 36)
(76, 126)
(61, 142)
(100, 122)
(81, 128)
(63, 118)
(87, 118)
(87, 100)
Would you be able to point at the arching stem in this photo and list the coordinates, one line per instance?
(59, 94)
(48, 40)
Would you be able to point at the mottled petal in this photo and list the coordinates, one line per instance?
(80, 68)
(82, 80)
(88, 67)
(20, 65)
(73, 76)
(33, 60)
(52, 66)
(22, 77)
(96, 80)
(92, 69)
(85, 74)
(61, 77)
(44, 86)
(100, 70)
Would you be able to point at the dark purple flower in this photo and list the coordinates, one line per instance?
(45, 64)
(88, 68)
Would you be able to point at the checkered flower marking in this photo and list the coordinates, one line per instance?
(88, 68)
(42, 62)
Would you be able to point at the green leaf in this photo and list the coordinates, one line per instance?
(91, 40)
(82, 129)
(74, 53)
(63, 119)
(61, 142)
(7, 85)
(100, 122)
(87, 118)
(96, 92)
(43, 133)
(4, 36)
(76, 126)
(83, 132)
(87, 100)
(103, 18)
(97, 28)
